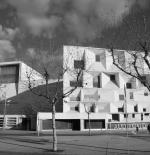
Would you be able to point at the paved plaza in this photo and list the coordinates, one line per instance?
(74, 143)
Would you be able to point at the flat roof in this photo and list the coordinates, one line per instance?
(10, 63)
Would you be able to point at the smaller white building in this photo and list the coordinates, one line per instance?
(13, 82)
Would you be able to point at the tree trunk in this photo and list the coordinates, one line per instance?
(54, 129)
(89, 124)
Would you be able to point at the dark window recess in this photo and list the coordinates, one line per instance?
(146, 114)
(9, 74)
(136, 108)
(76, 108)
(131, 95)
(144, 109)
(112, 77)
(121, 97)
(99, 80)
(60, 124)
(125, 115)
(78, 64)
(76, 83)
(94, 124)
(115, 117)
(76, 124)
(133, 115)
(96, 82)
(145, 93)
(1, 121)
(141, 117)
(92, 108)
(143, 79)
(128, 85)
(109, 120)
(121, 109)
(97, 58)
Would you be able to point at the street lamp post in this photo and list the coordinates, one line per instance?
(4, 119)
(3, 97)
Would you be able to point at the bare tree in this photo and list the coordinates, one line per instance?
(89, 109)
(52, 98)
(135, 62)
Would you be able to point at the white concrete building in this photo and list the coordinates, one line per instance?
(101, 90)
(13, 81)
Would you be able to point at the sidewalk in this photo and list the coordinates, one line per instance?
(73, 143)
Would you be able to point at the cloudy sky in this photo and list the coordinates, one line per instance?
(30, 27)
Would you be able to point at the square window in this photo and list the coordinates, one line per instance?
(77, 108)
(121, 97)
(115, 117)
(112, 77)
(78, 64)
(97, 58)
(128, 85)
(143, 78)
(92, 108)
(145, 93)
(72, 83)
(76, 83)
(121, 109)
(144, 109)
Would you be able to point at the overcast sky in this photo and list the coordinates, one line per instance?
(29, 26)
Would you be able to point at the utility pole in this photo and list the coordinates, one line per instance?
(88, 111)
(3, 97)
(38, 125)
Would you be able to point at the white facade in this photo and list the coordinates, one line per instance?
(101, 88)
(13, 81)
(15, 72)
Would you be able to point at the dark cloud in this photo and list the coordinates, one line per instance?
(36, 22)
(83, 18)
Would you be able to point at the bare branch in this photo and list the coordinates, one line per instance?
(31, 86)
(119, 66)
(88, 111)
